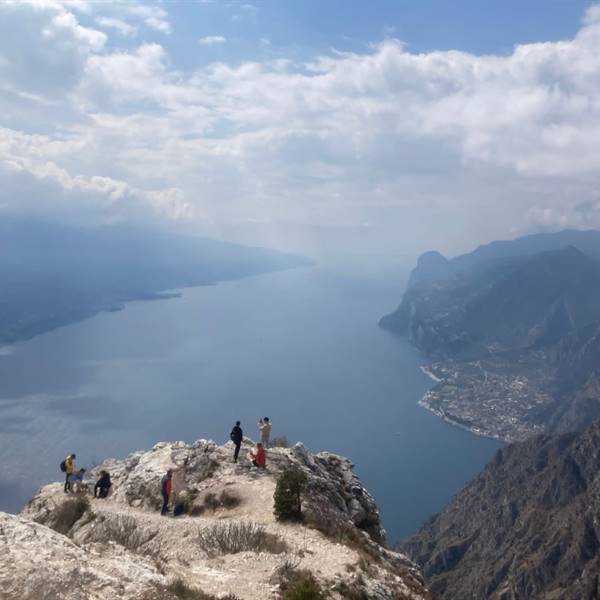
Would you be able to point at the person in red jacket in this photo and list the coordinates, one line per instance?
(165, 490)
(259, 456)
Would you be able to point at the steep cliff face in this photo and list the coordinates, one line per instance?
(526, 527)
(514, 303)
(233, 546)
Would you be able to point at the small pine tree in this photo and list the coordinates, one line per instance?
(288, 494)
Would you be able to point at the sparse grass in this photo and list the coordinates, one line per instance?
(188, 499)
(351, 591)
(280, 442)
(307, 589)
(68, 513)
(229, 500)
(329, 523)
(123, 530)
(152, 497)
(180, 590)
(212, 502)
(297, 584)
(234, 537)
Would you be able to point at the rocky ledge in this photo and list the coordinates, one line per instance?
(227, 545)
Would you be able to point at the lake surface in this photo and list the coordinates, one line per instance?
(301, 346)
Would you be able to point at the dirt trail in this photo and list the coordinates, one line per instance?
(174, 542)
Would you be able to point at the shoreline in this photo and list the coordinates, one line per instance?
(425, 369)
(474, 430)
(422, 402)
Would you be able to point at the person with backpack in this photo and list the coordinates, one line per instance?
(103, 485)
(67, 466)
(165, 491)
(264, 427)
(236, 435)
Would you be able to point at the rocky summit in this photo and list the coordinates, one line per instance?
(227, 544)
(528, 526)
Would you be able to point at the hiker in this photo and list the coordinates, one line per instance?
(165, 490)
(68, 466)
(264, 426)
(236, 435)
(102, 486)
(258, 456)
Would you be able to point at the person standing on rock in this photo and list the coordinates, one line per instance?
(236, 435)
(264, 427)
(69, 464)
(165, 491)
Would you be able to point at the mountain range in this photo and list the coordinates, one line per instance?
(510, 329)
(526, 527)
(55, 274)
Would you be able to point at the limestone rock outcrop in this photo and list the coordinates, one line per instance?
(122, 548)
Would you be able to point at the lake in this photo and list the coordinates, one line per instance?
(300, 346)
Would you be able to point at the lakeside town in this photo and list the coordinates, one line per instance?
(497, 397)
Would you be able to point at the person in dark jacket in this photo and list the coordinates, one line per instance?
(237, 435)
(165, 491)
(102, 486)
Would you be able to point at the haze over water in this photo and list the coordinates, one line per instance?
(300, 346)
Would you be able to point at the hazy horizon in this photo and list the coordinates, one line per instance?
(381, 129)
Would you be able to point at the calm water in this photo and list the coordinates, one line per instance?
(301, 346)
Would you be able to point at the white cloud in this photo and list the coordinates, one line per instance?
(210, 40)
(153, 16)
(434, 144)
(124, 28)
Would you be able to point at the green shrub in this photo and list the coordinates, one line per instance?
(306, 588)
(229, 500)
(291, 483)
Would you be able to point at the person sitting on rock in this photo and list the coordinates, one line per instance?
(165, 491)
(102, 486)
(264, 427)
(237, 435)
(69, 469)
(258, 457)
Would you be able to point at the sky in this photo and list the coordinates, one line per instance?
(369, 127)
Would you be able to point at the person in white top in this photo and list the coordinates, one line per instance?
(264, 426)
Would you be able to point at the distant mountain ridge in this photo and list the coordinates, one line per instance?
(433, 266)
(55, 274)
(526, 527)
(523, 307)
